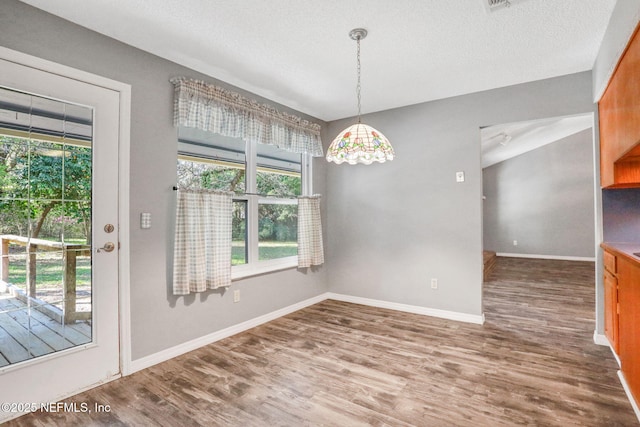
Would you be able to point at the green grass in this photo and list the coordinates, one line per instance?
(49, 272)
(273, 250)
(266, 251)
(237, 254)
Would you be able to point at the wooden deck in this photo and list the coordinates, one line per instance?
(24, 336)
(70, 254)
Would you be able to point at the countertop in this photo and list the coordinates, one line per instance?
(627, 250)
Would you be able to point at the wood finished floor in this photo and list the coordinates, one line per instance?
(338, 364)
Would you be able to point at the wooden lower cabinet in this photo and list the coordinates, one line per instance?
(611, 310)
(629, 323)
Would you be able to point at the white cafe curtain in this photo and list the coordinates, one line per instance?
(310, 247)
(202, 252)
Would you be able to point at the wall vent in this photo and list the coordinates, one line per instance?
(493, 5)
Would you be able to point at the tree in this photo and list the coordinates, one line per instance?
(277, 222)
(36, 177)
(210, 176)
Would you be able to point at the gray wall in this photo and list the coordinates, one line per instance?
(621, 215)
(159, 320)
(544, 199)
(389, 228)
(394, 226)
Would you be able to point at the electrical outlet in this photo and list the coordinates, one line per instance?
(515, 243)
(434, 283)
(236, 295)
(460, 176)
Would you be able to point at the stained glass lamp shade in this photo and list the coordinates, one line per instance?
(360, 143)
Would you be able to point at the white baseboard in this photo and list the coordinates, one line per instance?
(164, 355)
(603, 340)
(600, 339)
(433, 312)
(627, 390)
(558, 257)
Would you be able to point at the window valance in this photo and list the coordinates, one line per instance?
(208, 107)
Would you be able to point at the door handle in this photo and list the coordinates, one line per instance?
(108, 247)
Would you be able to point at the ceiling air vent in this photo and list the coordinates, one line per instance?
(493, 5)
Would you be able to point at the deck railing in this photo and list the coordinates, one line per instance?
(69, 252)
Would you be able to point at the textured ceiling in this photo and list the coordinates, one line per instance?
(298, 53)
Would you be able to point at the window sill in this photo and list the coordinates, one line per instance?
(262, 267)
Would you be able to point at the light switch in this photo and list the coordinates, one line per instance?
(460, 176)
(145, 220)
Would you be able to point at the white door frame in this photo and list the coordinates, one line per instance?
(124, 91)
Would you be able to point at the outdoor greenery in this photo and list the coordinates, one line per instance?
(49, 272)
(45, 193)
(238, 255)
(210, 176)
(277, 223)
(273, 250)
(45, 189)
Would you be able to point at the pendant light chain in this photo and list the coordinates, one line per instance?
(358, 86)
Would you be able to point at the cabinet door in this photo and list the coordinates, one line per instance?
(611, 309)
(629, 298)
(619, 118)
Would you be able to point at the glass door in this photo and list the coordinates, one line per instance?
(59, 284)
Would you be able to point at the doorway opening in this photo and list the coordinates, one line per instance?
(539, 197)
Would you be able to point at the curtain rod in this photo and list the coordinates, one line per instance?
(175, 188)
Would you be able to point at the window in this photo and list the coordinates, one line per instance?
(277, 229)
(266, 180)
(239, 233)
(46, 169)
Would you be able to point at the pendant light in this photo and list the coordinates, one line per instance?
(359, 143)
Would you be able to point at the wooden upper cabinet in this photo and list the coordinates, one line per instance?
(619, 111)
